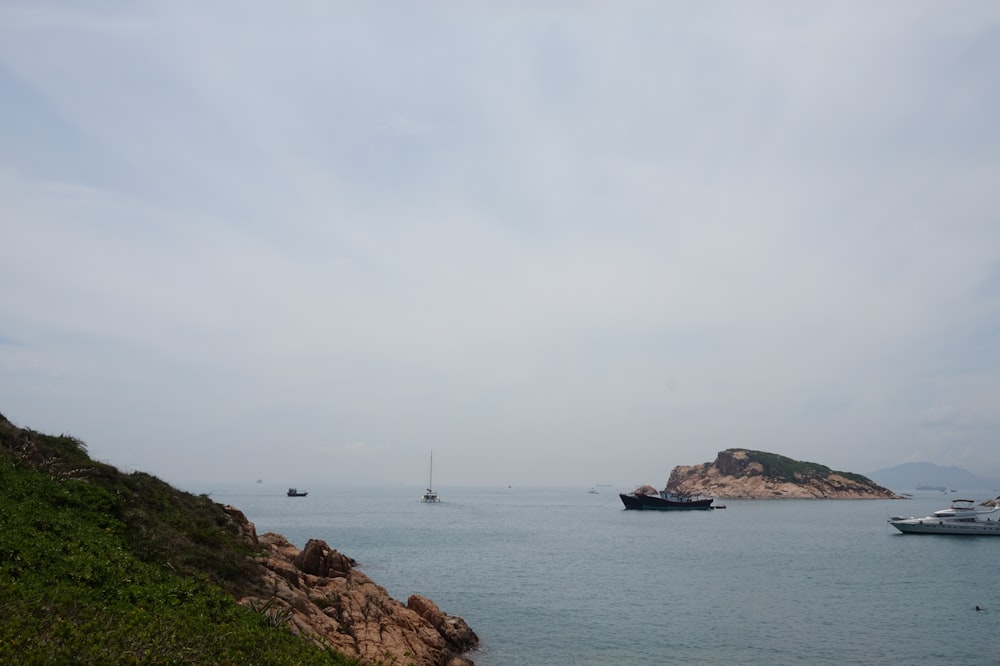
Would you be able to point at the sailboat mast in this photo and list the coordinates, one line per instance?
(430, 495)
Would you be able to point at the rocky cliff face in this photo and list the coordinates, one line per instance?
(321, 596)
(744, 474)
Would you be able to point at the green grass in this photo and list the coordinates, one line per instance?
(97, 566)
(781, 468)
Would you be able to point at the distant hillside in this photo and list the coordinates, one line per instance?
(742, 473)
(910, 476)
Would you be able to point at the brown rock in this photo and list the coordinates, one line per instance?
(318, 559)
(455, 631)
(244, 527)
(319, 594)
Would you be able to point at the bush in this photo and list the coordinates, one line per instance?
(97, 566)
(781, 468)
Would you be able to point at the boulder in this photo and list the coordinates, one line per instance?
(244, 527)
(321, 596)
(318, 559)
(455, 631)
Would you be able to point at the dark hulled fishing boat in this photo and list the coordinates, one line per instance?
(666, 501)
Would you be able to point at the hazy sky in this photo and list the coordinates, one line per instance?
(556, 242)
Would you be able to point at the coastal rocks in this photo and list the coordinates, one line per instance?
(244, 527)
(318, 560)
(454, 629)
(746, 474)
(321, 596)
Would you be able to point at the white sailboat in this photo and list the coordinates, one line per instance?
(430, 495)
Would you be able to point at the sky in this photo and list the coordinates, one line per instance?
(556, 243)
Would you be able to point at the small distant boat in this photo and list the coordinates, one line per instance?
(666, 501)
(962, 517)
(295, 492)
(429, 495)
(592, 491)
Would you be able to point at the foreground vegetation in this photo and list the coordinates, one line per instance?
(97, 566)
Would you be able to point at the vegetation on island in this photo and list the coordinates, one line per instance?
(781, 468)
(99, 566)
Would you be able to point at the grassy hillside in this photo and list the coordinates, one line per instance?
(97, 566)
(780, 468)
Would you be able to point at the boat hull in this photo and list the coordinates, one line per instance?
(925, 526)
(653, 503)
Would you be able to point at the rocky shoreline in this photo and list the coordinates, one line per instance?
(321, 596)
(317, 592)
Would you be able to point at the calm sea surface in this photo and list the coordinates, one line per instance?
(565, 577)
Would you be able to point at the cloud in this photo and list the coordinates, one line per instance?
(350, 449)
(505, 233)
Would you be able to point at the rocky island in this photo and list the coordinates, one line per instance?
(747, 474)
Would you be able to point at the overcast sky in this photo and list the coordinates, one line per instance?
(556, 242)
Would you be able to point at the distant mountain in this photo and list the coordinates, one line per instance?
(910, 476)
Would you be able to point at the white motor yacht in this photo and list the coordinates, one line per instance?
(962, 517)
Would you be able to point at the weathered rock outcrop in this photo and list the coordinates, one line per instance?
(745, 474)
(320, 594)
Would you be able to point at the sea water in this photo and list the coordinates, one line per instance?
(562, 576)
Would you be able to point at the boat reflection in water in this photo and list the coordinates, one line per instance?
(962, 517)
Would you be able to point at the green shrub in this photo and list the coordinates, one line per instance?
(780, 468)
(97, 566)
